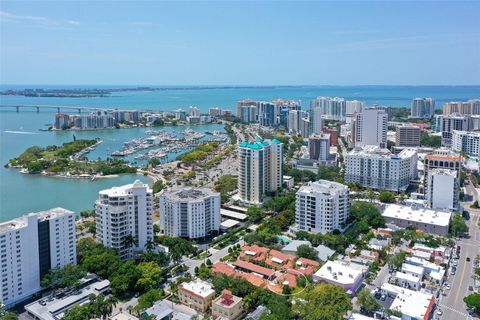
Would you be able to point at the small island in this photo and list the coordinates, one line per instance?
(68, 161)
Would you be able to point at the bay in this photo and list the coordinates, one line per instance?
(21, 194)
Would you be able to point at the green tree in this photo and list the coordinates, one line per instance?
(307, 251)
(67, 276)
(323, 302)
(151, 276)
(7, 315)
(123, 281)
(474, 205)
(473, 301)
(386, 196)
(368, 212)
(366, 301)
(147, 299)
(458, 225)
(397, 260)
(255, 214)
(158, 186)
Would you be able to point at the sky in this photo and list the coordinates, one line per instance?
(240, 43)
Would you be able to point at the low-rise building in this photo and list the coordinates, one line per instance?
(55, 307)
(197, 294)
(227, 306)
(408, 281)
(411, 304)
(431, 221)
(342, 274)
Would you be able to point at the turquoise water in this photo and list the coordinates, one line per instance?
(20, 194)
(23, 193)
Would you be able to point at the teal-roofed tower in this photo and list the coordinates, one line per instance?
(260, 170)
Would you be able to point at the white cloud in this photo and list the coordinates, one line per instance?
(10, 17)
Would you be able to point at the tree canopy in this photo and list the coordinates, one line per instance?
(322, 302)
(458, 225)
(306, 251)
(366, 301)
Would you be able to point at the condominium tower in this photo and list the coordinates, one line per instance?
(466, 141)
(370, 128)
(124, 218)
(32, 245)
(377, 168)
(422, 108)
(407, 136)
(189, 212)
(260, 169)
(322, 206)
(442, 191)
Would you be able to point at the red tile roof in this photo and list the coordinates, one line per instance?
(254, 268)
(223, 268)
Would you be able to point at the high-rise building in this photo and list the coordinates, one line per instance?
(377, 168)
(260, 170)
(244, 103)
(305, 127)
(194, 112)
(296, 120)
(471, 107)
(370, 128)
(319, 147)
(442, 191)
(124, 218)
(180, 115)
(189, 212)
(266, 113)
(442, 158)
(422, 108)
(353, 107)
(215, 112)
(248, 114)
(407, 136)
(332, 108)
(322, 206)
(316, 119)
(466, 141)
(32, 245)
(446, 124)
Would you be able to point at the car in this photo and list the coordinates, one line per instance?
(470, 288)
(468, 259)
(452, 273)
(383, 297)
(439, 312)
(448, 287)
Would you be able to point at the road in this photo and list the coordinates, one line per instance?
(452, 305)
(215, 257)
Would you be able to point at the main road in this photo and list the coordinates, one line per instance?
(452, 304)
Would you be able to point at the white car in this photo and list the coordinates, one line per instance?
(439, 312)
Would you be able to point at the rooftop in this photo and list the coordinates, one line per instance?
(125, 189)
(423, 215)
(53, 308)
(254, 268)
(323, 186)
(380, 153)
(233, 214)
(410, 303)
(258, 144)
(53, 213)
(188, 194)
(198, 287)
(406, 267)
(407, 277)
(227, 299)
(340, 272)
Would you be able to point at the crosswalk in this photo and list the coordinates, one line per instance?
(463, 314)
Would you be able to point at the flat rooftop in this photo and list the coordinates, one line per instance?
(340, 272)
(124, 190)
(198, 287)
(409, 302)
(53, 213)
(188, 194)
(422, 215)
(54, 308)
(323, 186)
(233, 214)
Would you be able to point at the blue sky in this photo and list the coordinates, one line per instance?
(237, 43)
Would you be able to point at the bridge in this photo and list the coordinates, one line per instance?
(67, 108)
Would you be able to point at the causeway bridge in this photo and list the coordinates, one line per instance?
(65, 108)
